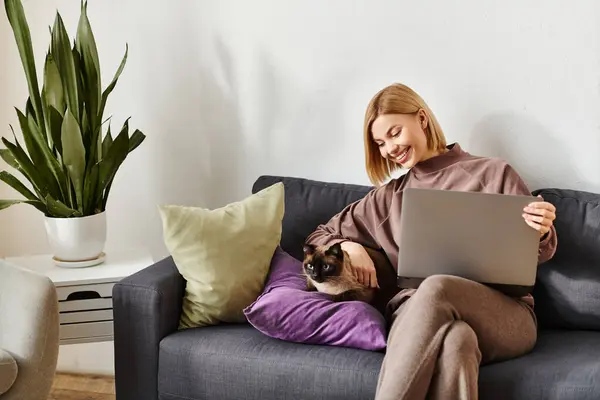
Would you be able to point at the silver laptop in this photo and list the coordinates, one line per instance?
(479, 236)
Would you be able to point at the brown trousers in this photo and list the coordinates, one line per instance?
(442, 333)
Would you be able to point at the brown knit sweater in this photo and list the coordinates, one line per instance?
(369, 220)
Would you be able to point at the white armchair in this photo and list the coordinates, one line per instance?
(28, 334)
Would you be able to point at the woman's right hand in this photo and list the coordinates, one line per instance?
(362, 265)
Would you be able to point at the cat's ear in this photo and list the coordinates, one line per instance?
(335, 250)
(308, 249)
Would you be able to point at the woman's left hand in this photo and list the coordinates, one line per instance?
(540, 215)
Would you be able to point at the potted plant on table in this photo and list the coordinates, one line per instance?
(67, 161)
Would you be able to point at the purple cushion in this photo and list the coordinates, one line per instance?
(286, 311)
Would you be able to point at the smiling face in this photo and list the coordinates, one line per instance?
(398, 119)
(401, 138)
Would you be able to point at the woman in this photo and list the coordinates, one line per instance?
(441, 332)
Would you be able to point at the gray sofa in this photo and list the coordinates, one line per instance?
(155, 361)
(28, 334)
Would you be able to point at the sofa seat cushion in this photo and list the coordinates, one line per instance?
(8, 371)
(238, 362)
(563, 365)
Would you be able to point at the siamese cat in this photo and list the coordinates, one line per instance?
(329, 271)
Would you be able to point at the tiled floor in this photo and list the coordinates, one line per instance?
(82, 387)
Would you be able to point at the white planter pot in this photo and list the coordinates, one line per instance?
(76, 240)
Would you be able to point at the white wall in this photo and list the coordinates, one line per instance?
(230, 90)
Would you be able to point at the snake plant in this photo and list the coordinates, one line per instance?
(68, 162)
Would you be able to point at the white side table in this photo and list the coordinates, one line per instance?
(85, 304)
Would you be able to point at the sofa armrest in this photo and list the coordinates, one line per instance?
(29, 330)
(146, 307)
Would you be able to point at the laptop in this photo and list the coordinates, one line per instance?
(478, 236)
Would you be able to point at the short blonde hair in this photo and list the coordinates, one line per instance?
(396, 99)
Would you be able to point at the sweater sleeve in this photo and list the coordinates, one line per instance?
(357, 222)
(512, 183)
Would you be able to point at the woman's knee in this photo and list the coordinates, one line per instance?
(440, 286)
(435, 293)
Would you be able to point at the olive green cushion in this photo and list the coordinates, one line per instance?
(223, 254)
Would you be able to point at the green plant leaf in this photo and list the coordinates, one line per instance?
(102, 186)
(16, 184)
(107, 142)
(112, 84)
(59, 209)
(42, 156)
(20, 27)
(111, 163)
(37, 204)
(92, 151)
(85, 125)
(29, 108)
(71, 200)
(49, 86)
(104, 199)
(49, 159)
(8, 158)
(53, 87)
(85, 44)
(89, 190)
(27, 168)
(30, 114)
(136, 139)
(125, 127)
(86, 135)
(55, 123)
(39, 152)
(30, 142)
(81, 90)
(62, 53)
(46, 121)
(73, 155)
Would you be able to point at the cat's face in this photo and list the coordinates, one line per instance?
(319, 265)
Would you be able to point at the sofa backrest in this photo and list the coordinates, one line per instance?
(567, 291)
(309, 203)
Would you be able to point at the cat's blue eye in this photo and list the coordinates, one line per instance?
(309, 266)
(326, 267)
